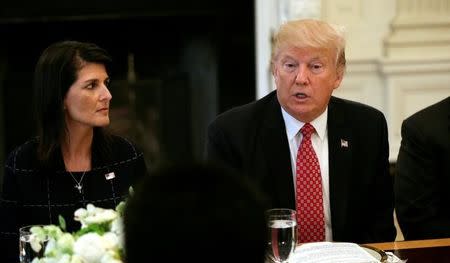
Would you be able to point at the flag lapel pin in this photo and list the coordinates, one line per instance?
(110, 176)
(344, 143)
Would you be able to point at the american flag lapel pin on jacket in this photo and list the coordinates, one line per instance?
(110, 176)
(344, 143)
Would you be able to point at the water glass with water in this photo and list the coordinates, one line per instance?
(282, 234)
(26, 252)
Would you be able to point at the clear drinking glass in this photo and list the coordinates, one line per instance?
(282, 234)
(26, 237)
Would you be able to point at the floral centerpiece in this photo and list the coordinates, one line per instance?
(99, 240)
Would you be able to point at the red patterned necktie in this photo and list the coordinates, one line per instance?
(310, 216)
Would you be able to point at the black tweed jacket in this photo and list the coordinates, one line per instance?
(36, 195)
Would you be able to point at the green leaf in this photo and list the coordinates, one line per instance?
(97, 228)
(62, 222)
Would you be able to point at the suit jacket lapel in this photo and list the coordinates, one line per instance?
(275, 148)
(340, 162)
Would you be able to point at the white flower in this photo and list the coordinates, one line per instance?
(76, 259)
(94, 215)
(110, 258)
(100, 239)
(35, 242)
(80, 213)
(65, 242)
(117, 228)
(111, 241)
(90, 247)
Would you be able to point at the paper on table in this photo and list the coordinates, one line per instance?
(332, 252)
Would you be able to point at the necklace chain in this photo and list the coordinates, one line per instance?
(78, 184)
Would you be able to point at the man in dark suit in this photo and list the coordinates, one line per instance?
(262, 139)
(422, 182)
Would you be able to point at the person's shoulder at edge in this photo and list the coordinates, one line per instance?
(23, 157)
(363, 120)
(244, 113)
(124, 149)
(354, 107)
(432, 110)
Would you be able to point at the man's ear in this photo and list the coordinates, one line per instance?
(339, 77)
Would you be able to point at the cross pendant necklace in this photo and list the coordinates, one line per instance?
(78, 184)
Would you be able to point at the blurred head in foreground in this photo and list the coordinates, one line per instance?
(195, 212)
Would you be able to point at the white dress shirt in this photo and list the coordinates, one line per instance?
(319, 141)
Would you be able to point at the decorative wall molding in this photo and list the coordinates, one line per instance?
(421, 28)
(422, 66)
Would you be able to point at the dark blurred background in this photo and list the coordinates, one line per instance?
(177, 64)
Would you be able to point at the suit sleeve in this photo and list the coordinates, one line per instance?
(417, 195)
(383, 228)
(219, 148)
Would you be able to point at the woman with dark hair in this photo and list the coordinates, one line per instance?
(72, 161)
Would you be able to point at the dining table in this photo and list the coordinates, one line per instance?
(415, 251)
